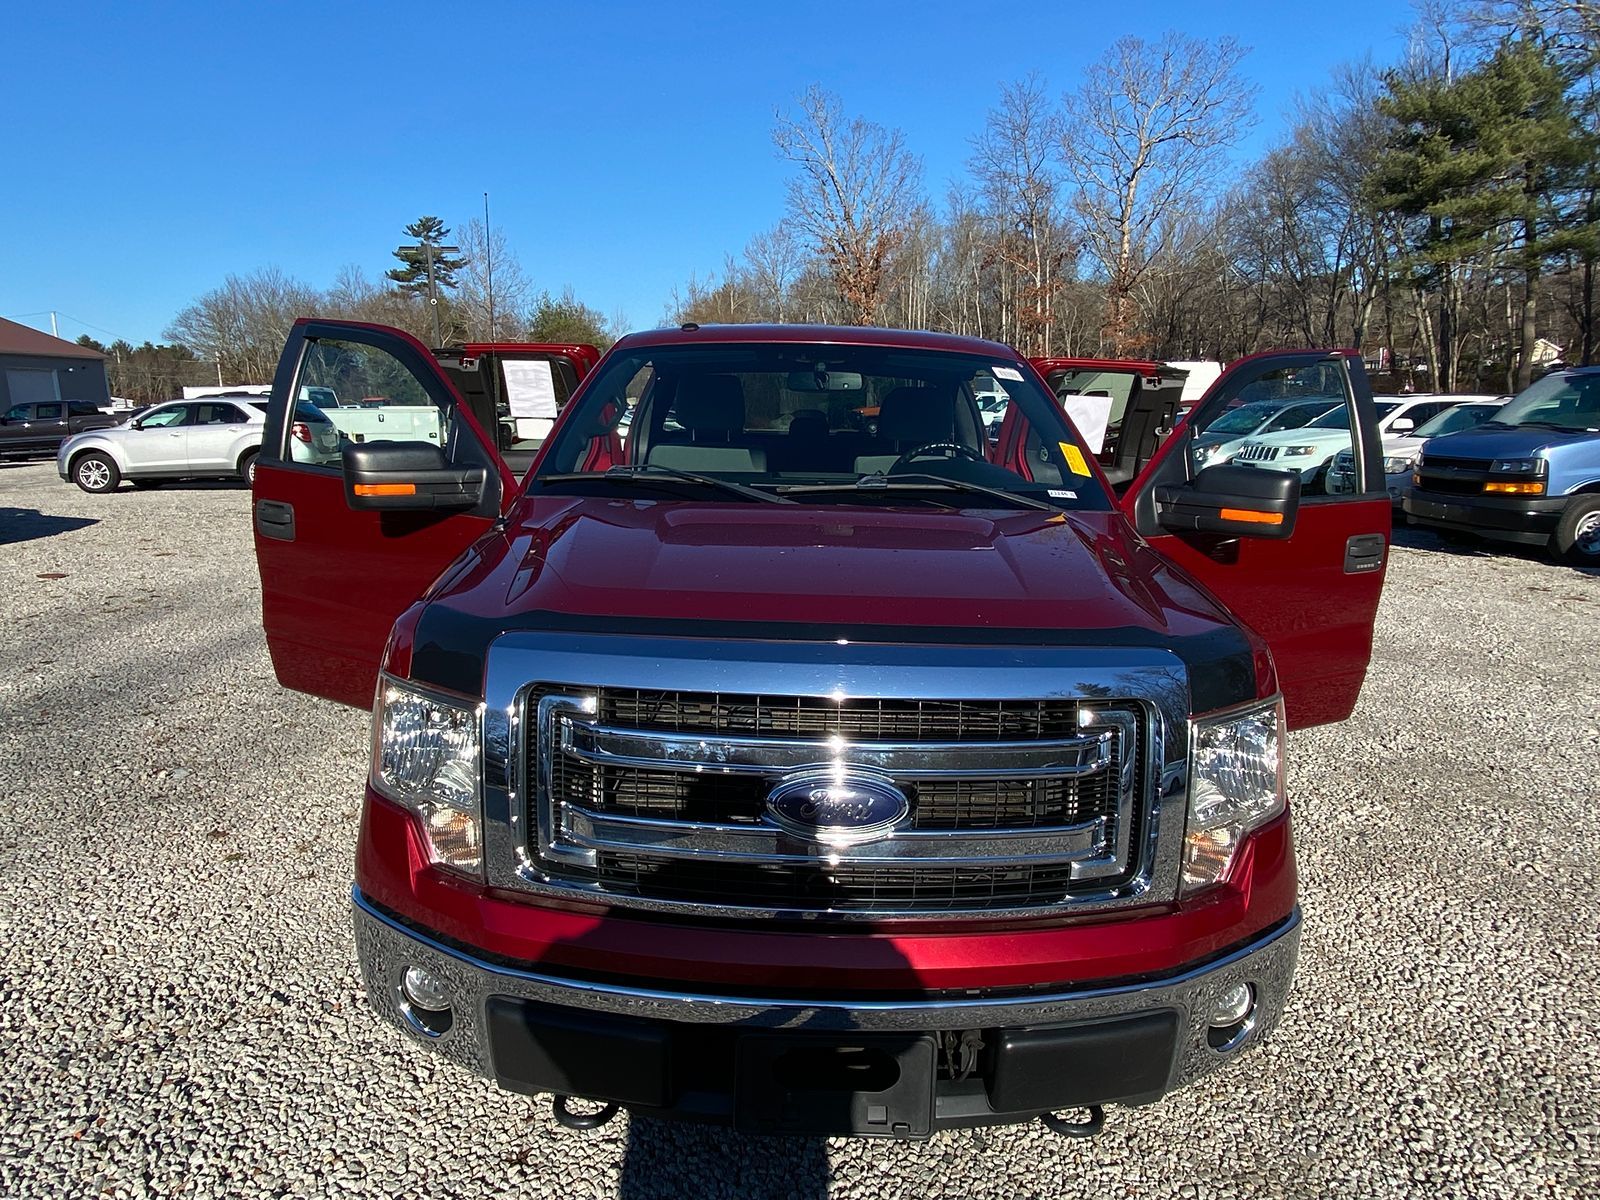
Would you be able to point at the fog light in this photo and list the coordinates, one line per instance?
(423, 990)
(1232, 1018)
(1233, 1006)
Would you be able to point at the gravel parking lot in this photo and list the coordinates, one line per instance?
(181, 1014)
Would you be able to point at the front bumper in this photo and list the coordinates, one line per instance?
(1525, 520)
(719, 1058)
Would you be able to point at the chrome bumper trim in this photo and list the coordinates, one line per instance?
(386, 947)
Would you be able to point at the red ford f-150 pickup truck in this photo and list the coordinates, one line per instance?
(809, 759)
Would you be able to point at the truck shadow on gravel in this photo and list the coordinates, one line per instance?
(29, 524)
(670, 1160)
(1409, 537)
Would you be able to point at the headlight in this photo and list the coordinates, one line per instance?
(1517, 466)
(425, 755)
(1396, 466)
(1236, 786)
(1298, 451)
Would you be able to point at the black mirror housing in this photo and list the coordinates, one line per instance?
(408, 475)
(1232, 501)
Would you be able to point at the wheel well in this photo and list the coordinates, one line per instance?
(77, 455)
(1588, 489)
(247, 452)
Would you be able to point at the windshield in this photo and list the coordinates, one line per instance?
(1557, 402)
(1454, 420)
(818, 423)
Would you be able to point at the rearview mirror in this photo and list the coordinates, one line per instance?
(407, 475)
(1232, 500)
(824, 381)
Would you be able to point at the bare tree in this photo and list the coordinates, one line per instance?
(772, 261)
(1015, 163)
(1144, 138)
(854, 197)
(242, 325)
(491, 288)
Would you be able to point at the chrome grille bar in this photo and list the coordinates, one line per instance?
(734, 754)
(767, 844)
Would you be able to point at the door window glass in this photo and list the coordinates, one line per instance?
(219, 414)
(1314, 400)
(20, 412)
(352, 392)
(167, 418)
(49, 412)
(82, 408)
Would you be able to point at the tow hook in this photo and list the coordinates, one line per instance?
(1074, 1129)
(560, 1107)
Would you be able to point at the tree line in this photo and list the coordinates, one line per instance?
(234, 333)
(1439, 214)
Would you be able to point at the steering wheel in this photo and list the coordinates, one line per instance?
(951, 450)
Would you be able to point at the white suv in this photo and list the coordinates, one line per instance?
(184, 439)
(1311, 449)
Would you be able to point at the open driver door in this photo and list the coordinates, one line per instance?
(1301, 567)
(354, 522)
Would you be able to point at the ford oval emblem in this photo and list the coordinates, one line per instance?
(836, 806)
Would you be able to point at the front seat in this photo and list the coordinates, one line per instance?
(908, 418)
(711, 410)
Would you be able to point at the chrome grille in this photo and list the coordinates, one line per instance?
(1256, 452)
(661, 795)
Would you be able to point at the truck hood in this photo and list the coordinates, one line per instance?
(807, 572)
(1487, 444)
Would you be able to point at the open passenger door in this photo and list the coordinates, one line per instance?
(341, 553)
(1310, 588)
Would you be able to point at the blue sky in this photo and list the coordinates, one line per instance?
(152, 149)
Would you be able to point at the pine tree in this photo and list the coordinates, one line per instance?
(1486, 166)
(412, 274)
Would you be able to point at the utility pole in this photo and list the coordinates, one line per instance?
(55, 330)
(488, 259)
(427, 249)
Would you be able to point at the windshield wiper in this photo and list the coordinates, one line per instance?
(651, 472)
(916, 481)
(1556, 425)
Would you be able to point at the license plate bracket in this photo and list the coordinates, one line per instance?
(866, 1085)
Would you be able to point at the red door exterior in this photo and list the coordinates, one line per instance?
(1305, 595)
(333, 579)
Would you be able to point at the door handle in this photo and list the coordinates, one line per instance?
(1363, 553)
(275, 519)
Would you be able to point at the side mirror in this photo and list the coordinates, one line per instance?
(407, 475)
(1402, 425)
(1232, 500)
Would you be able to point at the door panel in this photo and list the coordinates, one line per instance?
(334, 579)
(161, 443)
(218, 425)
(1313, 596)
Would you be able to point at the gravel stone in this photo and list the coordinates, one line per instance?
(181, 1013)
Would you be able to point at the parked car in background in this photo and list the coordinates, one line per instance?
(183, 439)
(1529, 475)
(39, 428)
(1311, 449)
(1400, 450)
(1230, 431)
